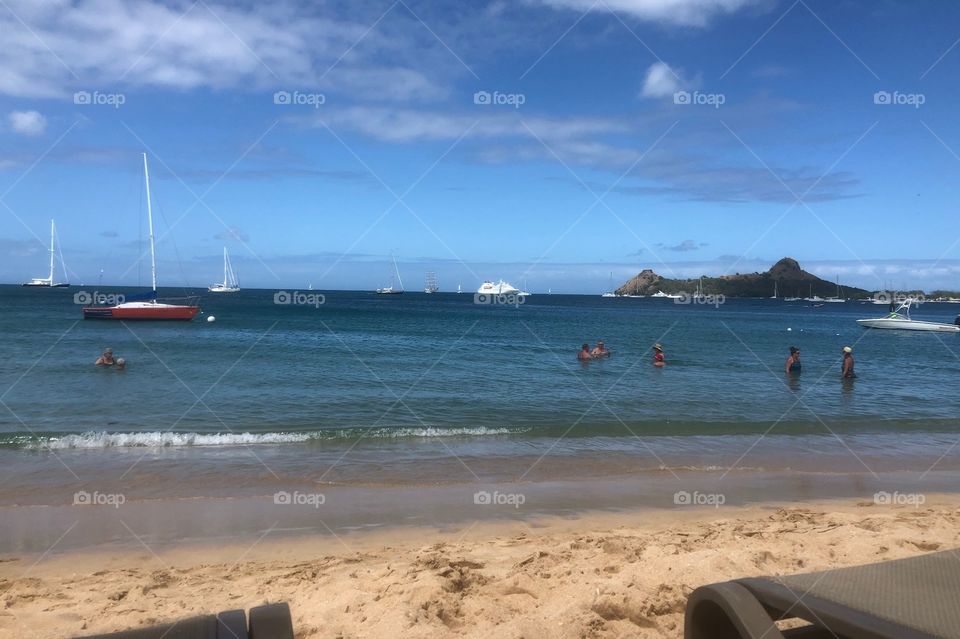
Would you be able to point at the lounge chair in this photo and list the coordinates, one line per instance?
(266, 622)
(916, 598)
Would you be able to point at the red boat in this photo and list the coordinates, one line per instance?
(146, 306)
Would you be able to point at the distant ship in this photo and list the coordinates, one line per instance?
(431, 285)
(610, 292)
(669, 296)
(500, 288)
(48, 281)
(394, 278)
(230, 284)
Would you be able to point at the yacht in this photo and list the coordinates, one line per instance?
(230, 283)
(836, 298)
(610, 292)
(669, 296)
(394, 278)
(48, 281)
(500, 288)
(900, 319)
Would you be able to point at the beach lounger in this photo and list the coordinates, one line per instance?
(916, 598)
(266, 622)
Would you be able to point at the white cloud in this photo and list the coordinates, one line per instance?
(28, 122)
(661, 81)
(694, 13)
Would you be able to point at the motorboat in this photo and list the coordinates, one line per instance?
(669, 296)
(500, 288)
(900, 319)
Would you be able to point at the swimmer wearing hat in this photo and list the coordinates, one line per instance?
(658, 359)
(846, 369)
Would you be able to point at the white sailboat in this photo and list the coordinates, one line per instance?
(230, 283)
(500, 288)
(836, 298)
(394, 278)
(431, 285)
(813, 298)
(774, 296)
(900, 319)
(48, 281)
(610, 292)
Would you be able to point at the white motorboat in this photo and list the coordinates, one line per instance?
(230, 283)
(48, 281)
(900, 319)
(500, 288)
(669, 296)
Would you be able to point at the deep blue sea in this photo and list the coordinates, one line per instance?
(429, 390)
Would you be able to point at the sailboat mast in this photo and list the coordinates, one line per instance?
(224, 266)
(51, 251)
(397, 271)
(153, 255)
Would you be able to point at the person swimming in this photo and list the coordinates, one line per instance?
(106, 358)
(658, 359)
(846, 368)
(792, 364)
(600, 350)
(584, 353)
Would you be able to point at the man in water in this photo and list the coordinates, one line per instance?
(846, 371)
(658, 359)
(792, 365)
(105, 359)
(584, 353)
(599, 350)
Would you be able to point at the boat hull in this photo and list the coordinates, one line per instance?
(142, 312)
(28, 284)
(908, 325)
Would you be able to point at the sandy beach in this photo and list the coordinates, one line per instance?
(597, 575)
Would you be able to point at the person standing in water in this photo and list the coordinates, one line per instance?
(584, 353)
(792, 365)
(846, 370)
(106, 359)
(658, 359)
(599, 350)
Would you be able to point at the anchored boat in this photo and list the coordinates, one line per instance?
(900, 319)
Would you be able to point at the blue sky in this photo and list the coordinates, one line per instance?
(688, 136)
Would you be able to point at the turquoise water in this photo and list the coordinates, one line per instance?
(415, 377)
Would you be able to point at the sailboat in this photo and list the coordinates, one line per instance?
(459, 288)
(836, 298)
(793, 299)
(145, 306)
(394, 278)
(230, 283)
(900, 319)
(610, 292)
(48, 281)
(774, 290)
(431, 285)
(813, 298)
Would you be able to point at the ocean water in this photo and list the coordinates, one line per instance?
(416, 390)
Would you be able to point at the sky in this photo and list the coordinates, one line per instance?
(558, 144)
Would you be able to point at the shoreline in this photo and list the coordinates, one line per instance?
(599, 574)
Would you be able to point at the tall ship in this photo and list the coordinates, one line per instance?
(431, 286)
(500, 288)
(48, 282)
(230, 283)
(144, 306)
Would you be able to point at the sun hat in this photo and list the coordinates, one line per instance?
(847, 349)
(657, 347)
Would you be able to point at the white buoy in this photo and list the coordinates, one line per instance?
(789, 329)
(211, 318)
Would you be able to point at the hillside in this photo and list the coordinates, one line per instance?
(791, 280)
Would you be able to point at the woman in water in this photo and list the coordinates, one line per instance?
(793, 361)
(846, 370)
(658, 355)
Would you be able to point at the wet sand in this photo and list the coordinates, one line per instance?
(594, 575)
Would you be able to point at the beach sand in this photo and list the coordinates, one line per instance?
(598, 575)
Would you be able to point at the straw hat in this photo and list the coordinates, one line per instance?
(657, 347)
(847, 349)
